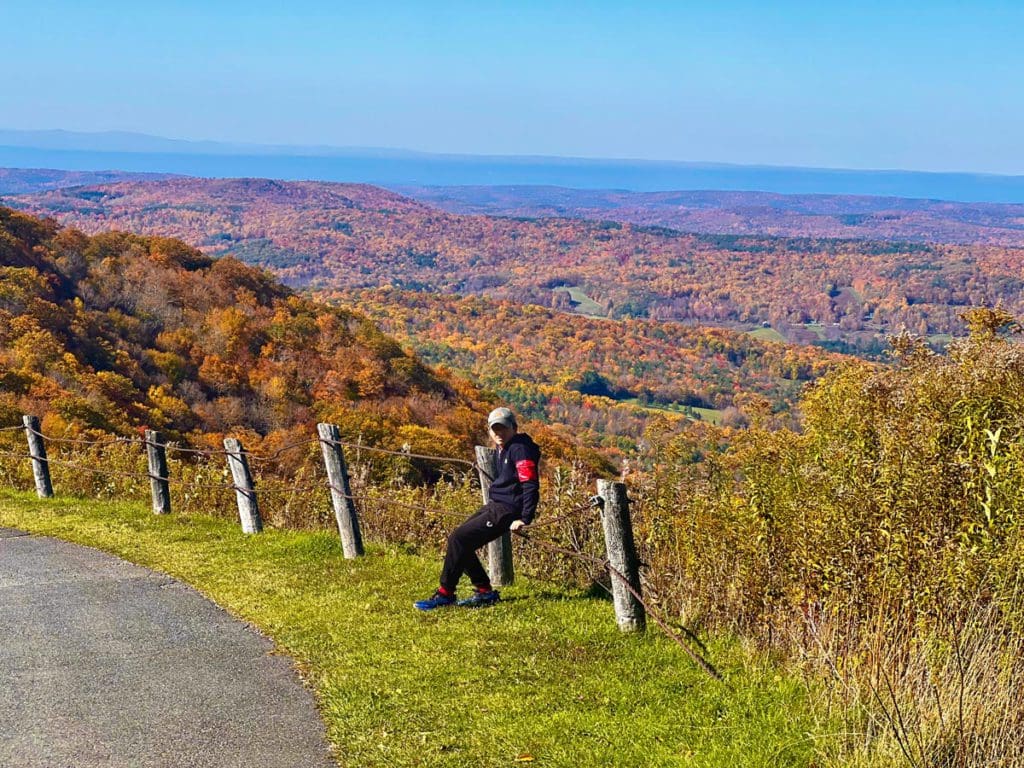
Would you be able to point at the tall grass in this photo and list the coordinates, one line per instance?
(879, 548)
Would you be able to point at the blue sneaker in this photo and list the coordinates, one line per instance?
(437, 600)
(481, 599)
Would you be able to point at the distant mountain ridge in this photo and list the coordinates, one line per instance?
(747, 213)
(390, 167)
(704, 212)
(19, 181)
(129, 141)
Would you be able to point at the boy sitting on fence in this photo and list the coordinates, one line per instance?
(513, 503)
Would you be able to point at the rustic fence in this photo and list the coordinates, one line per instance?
(611, 500)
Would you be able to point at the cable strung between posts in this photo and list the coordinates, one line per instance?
(377, 500)
(220, 486)
(252, 456)
(216, 452)
(407, 454)
(287, 447)
(77, 441)
(129, 475)
(199, 451)
(580, 508)
(270, 457)
(233, 487)
(137, 475)
(604, 563)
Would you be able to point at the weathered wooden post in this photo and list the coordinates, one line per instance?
(341, 491)
(245, 490)
(37, 450)
(156, 455)
(621, 549)
(499, 551)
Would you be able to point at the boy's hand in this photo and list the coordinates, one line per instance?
(516, 525)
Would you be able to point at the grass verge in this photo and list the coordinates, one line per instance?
(544, 678)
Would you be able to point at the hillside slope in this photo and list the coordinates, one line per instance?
(117, 331)
(600, 380)
(352, 236)
(749, 213)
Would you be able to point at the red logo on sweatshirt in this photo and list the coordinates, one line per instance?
(526, 469)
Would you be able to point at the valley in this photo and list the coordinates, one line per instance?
(848, 294)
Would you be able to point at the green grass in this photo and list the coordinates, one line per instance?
(767, 334)
(584, 304)
(545, 674)
(710, 415)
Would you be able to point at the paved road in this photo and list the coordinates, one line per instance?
(104, 663)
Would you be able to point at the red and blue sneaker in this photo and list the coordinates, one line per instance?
(438, 600)
(481, 598)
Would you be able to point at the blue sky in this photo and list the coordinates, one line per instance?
(922, 86)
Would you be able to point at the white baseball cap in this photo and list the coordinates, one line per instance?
(502, 416)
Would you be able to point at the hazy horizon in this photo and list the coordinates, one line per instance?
(79, 141)
(145, 153)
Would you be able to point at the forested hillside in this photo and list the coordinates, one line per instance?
(117, 331)
(859, 217)
(845, 292)
(602, 380)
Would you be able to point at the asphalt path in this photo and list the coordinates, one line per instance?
(105, 663)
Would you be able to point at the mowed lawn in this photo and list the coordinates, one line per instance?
(544, 678)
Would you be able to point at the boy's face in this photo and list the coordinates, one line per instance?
(501, 433)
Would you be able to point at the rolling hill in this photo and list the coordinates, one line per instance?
(116, 332)
(749, 213)
(601, 381)
(849, 293)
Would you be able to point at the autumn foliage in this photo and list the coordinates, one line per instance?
(346, 236)
(598, 380)
(117, 332)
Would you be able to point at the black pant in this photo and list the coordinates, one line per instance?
(487, 524)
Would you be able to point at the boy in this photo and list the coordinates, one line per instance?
(513, 504)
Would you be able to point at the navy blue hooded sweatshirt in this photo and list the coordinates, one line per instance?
(518, 481)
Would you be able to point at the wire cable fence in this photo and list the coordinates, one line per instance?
(116, 468)
(449, 501)
(310, 497)
(269, 482)
(392, 510)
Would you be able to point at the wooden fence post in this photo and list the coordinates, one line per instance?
(37, 450)
(618, 537)
(245, 491)
(341, 491)
(156, 455)
(499, 551)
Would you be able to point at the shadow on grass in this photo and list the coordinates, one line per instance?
(600, 592)
(593, 592)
